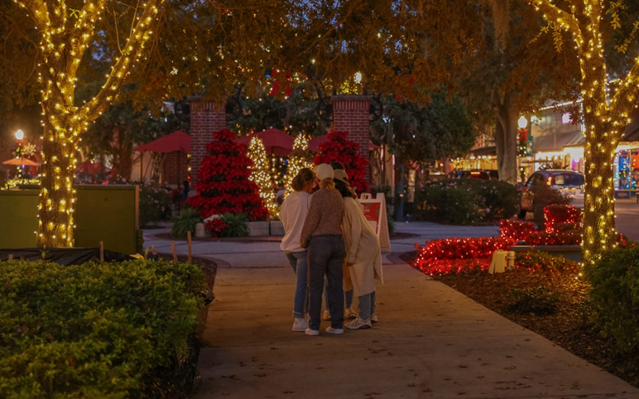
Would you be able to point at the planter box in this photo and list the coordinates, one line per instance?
(258, 229)
(277, 228)
(571, 252)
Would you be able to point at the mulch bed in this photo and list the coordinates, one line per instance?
(569, 327)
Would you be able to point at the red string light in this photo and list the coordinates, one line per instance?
(454, 255)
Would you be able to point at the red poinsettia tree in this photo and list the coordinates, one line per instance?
(339, 148)
(224, 185)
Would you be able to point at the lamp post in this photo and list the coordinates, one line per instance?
(522, 145)
(19, 137)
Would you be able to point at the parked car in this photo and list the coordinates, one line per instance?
(569, 182)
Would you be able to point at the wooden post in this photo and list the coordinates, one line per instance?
(188, 242)
(10, 257)
(101, 251)
(175, 260)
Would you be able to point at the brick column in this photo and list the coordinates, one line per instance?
(206, 117)
(351, 114)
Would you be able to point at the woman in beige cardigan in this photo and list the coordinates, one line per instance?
(363, 255)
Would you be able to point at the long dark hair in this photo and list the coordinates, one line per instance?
(344, 189)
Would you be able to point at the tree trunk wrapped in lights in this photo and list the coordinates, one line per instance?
(605, 117)
(65, 35)
(300, 158)
(261, 174)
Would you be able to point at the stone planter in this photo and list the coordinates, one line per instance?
(571, 252)
(258, 229)
(277, 228)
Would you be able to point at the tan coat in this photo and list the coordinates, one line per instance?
(363, 252)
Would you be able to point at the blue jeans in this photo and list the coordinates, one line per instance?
(367, 305)
(325, 258)
(348, 297)
(299, 263)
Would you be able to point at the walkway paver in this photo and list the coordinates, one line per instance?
(431, 341)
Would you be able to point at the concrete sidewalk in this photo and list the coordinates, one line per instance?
(431, 341)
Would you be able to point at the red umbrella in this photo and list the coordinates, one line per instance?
(275, 141)
(314, 143)
(176, 141)
(21, 162)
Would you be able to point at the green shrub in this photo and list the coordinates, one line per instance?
(467, 201)
(539, 301)
(501, 199)
(154, 200)
(391, 224)
(615, 295)
(185, 222)
(543, 261)
(93, 330)
(236, 225)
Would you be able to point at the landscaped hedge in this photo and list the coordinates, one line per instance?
(95, 330)
(467, 201)
(615, 296)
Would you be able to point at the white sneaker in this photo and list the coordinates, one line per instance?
(300, 325)
(350, 314)
(308, 331)
(374, 318)
(359, 324)
(326, 315)
(335, 331)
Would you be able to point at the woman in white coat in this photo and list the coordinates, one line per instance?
(363, 255)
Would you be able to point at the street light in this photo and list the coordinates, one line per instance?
(522, 122)
(19, 135)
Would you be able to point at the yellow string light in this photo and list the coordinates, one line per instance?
(605, 118)
(297, 161)
(63, 43)
(260, 174)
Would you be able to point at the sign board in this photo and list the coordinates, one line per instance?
(375, 213)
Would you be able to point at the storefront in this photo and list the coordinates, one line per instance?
(626, 169)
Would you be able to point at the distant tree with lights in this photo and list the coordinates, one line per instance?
(224, 184)
(339, 148)
(606, 106)
(261, 174)
(300, 158)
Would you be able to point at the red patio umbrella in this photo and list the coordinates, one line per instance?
(314, 143)
(275, 141)
(21, 162)
(176, 141)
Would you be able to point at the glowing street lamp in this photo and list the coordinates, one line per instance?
(19, 135)
(522, 122)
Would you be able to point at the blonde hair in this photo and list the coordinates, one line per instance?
(303, 177)
(327, 183)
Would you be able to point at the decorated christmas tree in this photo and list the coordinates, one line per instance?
(260, 174)
(224, 185)
(339, 148)
(300, 158)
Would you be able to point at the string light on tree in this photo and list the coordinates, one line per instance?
(300, 158)
(65, 35)
(261, 174)
(605, 113)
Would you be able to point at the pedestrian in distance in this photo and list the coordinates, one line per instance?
(293, 214)
(322, 235)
